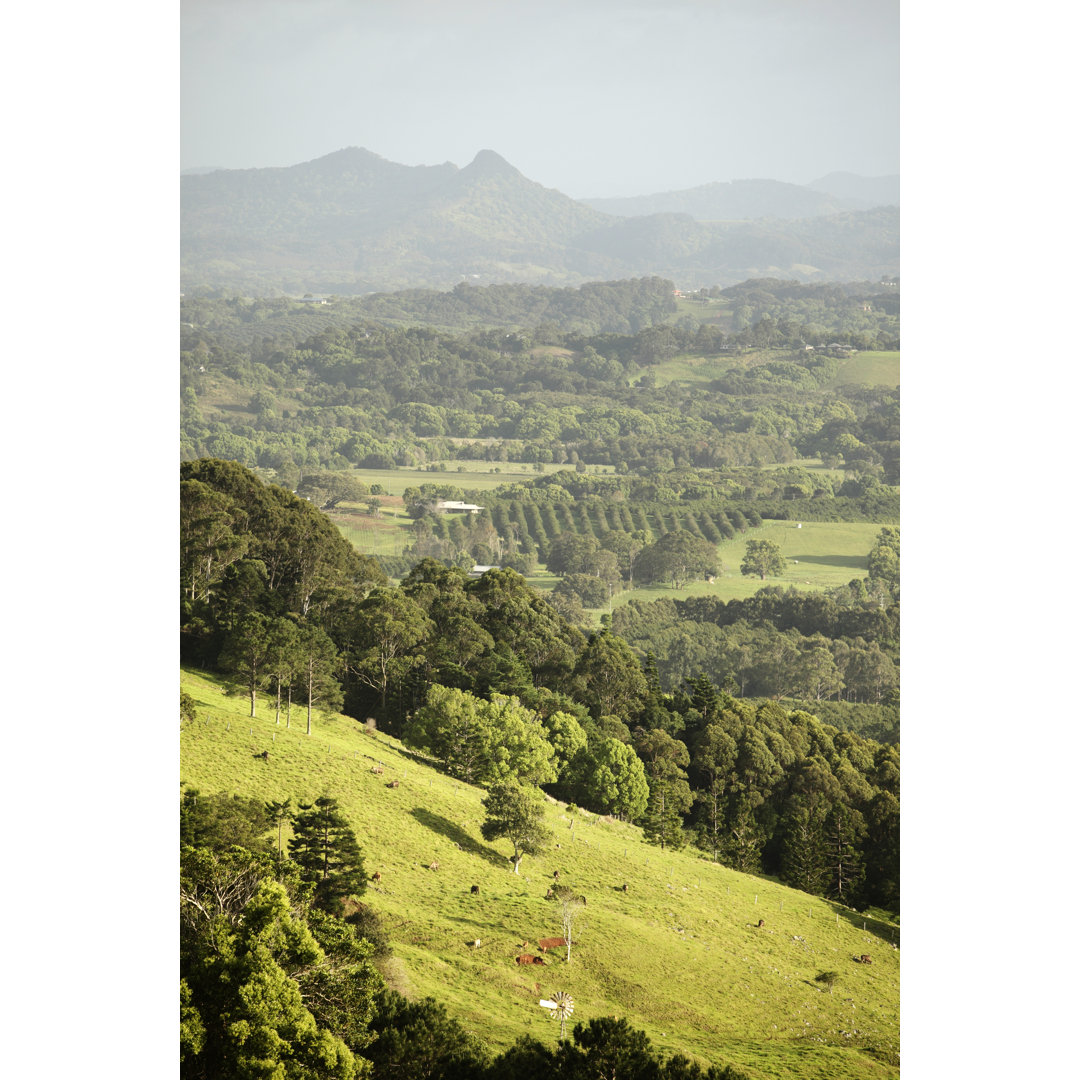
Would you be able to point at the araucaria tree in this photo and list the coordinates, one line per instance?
(515, 812)
(325, 847)
(762, 557)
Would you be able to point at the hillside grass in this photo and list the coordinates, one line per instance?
(678, 955)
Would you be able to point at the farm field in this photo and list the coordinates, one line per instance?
(678, 954)
(820, 555)
(871, 368)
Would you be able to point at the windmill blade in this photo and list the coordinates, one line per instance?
(549, 1004)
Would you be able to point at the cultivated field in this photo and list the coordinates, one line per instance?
(679, 954)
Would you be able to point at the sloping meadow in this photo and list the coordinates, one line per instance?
(678, 952)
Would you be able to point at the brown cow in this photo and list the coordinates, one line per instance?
(475, 890)
(434, 866)
(393, 783)
(546, 943)
(525, 958)
(864, 959)
(761, 922)
(376, 876)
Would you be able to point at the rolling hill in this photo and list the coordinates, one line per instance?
(679, 953)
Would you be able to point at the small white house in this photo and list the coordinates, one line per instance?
(458, 507)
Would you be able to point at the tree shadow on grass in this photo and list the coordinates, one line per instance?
(444, 827)
(888, 935)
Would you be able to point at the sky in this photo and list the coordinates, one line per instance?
(596, 98)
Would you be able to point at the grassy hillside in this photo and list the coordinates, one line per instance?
(678, 954)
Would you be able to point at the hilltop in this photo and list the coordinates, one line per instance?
(678, 954)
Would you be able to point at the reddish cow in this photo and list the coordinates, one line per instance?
(546, 943)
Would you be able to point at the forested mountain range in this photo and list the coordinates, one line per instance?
(738, 200)
(352, 222)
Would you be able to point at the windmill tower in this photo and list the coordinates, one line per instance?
(561, 1006)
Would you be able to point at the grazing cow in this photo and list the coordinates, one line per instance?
(525, 958)
(550, 894)
(433, 866)
(265, 755)
(546, 943)
(475, 890)
(393, 783)
(864, 959)
(761, 922)
(376, 876)
(376, 769)
(625, 887)
(556, 875)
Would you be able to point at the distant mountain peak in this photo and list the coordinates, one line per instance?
(488, 163)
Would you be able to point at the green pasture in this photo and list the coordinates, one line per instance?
(678, 954)
(870, 369)
(820, 555)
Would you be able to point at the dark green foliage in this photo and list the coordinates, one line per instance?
(676, 558)
(527, 1059)
(265, 990)
(607, 1047)
(222, 821)
(325, 847)
(418, 1039)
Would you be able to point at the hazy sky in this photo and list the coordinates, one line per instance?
(593, 97)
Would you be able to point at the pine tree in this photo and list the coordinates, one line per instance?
(325, 847)
(803, 858)
(845, 864)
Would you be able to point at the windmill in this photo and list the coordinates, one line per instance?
(561, 1006)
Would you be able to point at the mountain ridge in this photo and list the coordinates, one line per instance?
(353, 222)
